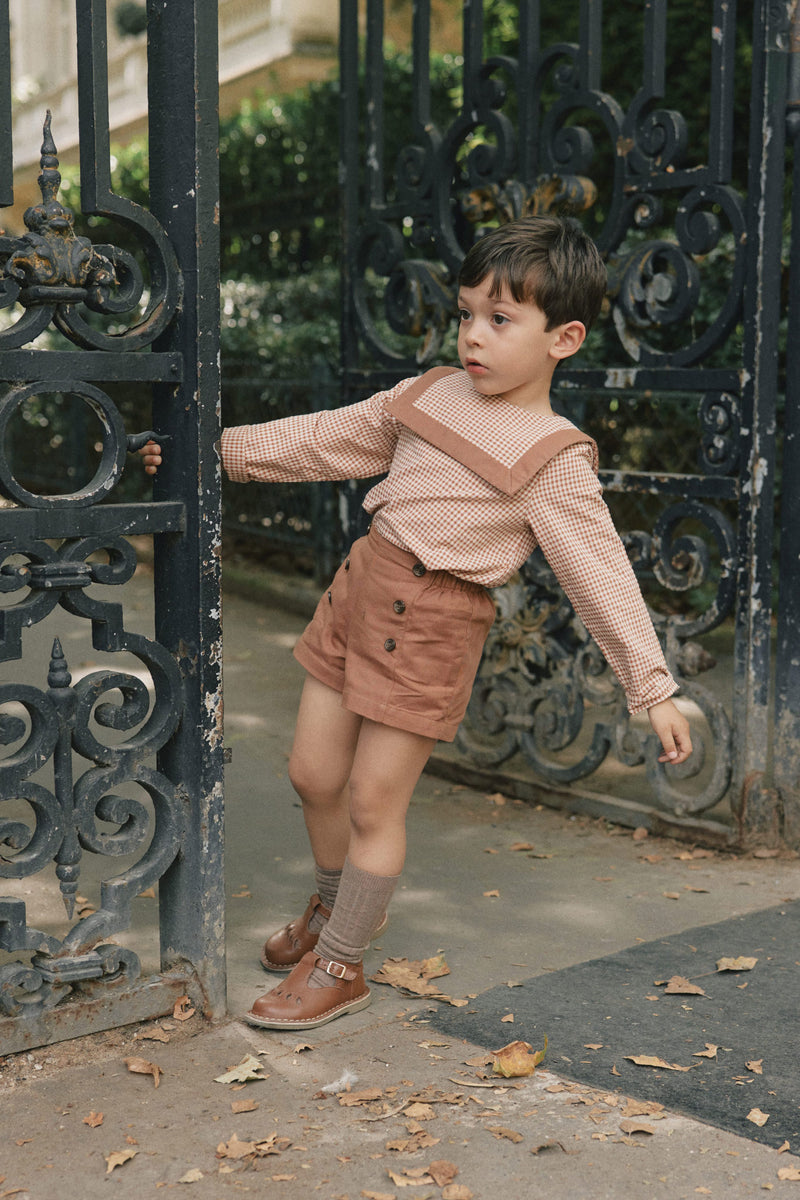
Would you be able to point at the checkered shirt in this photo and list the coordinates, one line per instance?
(452, 519)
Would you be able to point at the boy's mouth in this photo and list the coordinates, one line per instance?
(472, 365)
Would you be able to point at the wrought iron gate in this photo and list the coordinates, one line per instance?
(124, 761)
(692, 239)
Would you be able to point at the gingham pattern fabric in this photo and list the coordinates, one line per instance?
(453, 520)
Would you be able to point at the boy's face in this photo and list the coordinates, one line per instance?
(505, 348)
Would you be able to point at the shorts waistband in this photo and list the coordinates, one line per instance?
(409, 562)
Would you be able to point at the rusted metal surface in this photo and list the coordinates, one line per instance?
(123, 762)
(693, 255)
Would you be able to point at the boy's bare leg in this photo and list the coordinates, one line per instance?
(325, 740)
(387, 765)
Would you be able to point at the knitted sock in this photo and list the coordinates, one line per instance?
(327, 887)
(361, 902)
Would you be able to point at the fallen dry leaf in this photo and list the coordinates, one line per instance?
(153, 1035)
(493, 894)
(522, 846)
(508, 1019)
(243, 1106)
(235, 1148)
(413, 978)
(94, 1119)
(442, 1172)
(193, 1176)
(183, 1009)
(500, 1131)
(758, 1117)
(457, 1191)
(709, 1052)
(141, 1066)
(640, 834)
(755, 1065)
(642, 1108)
(301, 1047)
(551, 1144)
(736, 964)
(789, 1173)
(593, 1045)
(249, 1068)
(516, 1059)
(118, 1158)
(411, 1177)
(635, 1127)
(671, 895)
(784, 1146)
(650, 1060)
(147, 894)
(679, 986)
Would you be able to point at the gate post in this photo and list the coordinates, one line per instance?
(754, 804)
(787, 676)
(184, 194)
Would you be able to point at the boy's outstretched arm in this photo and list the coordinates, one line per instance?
(151, 456)
(673, 732)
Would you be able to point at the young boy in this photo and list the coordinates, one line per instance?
(478, 472)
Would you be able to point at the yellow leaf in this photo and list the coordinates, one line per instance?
(755, 1066)
(508, 1019)
(94, 1119)
(789, 1173)
(193, 1176)
(118, 1158)
(757, 1116)
(650, 1060)
(736, 964)
(709, 1052)
(249, 1068)
(140, 1066)
(516, 1059)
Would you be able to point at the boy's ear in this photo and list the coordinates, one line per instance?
(569, 340)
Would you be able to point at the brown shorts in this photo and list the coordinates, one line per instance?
(401, 643)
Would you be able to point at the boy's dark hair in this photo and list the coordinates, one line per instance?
(546, 261)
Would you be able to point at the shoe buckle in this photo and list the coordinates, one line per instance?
(337, 970)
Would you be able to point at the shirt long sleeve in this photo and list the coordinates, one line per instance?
(354, 442)
(574, 529)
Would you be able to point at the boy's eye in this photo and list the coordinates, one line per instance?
(499, 319)
(463, 314)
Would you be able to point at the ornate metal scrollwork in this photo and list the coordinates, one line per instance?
(51, 270)
(75, 814)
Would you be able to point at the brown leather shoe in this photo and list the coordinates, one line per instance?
(284, 949)
(295, 1005)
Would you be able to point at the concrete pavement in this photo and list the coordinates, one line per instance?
(497, 914)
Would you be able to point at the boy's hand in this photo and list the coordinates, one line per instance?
(673, 732)
(151, 455)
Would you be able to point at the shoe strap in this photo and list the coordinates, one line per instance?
(345, 971)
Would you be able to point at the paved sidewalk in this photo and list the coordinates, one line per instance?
(497, 914)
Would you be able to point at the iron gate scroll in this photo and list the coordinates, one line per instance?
(124, 761)
(692, 240)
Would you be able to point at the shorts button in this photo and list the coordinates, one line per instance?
(390, 644)
(418, 570)
(399, 606)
